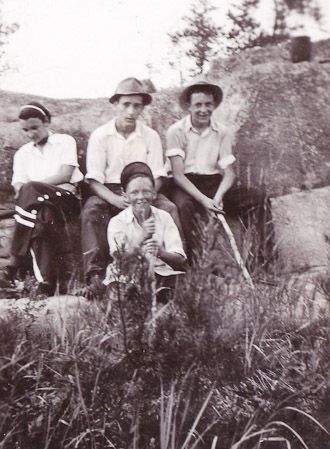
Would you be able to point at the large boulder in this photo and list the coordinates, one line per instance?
(279, 113)
(302, 228)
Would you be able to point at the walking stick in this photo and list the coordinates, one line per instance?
(233, 244)
(151, 274)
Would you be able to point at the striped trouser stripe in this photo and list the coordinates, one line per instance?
(23, 212)
(24, 222)
(36, 269)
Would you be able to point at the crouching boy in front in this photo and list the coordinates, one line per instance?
(143, 230)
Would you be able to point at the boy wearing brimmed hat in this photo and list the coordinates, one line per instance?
(144, 228)
(111, 147)
(200, 152)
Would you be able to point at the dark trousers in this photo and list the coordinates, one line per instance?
(95, 217)
(42, 211)
(251, 205)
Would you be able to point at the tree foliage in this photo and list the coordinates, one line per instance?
(246, 32)
(5, 31)
(199, 37)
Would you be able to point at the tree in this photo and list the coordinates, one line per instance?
(246, 32)
(5, 31)
(199, 38)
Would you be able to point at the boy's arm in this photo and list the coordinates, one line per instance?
(174, 260)
(64, 175)
(186, 185)
(227, 181)
(107, 195)
(155, 158)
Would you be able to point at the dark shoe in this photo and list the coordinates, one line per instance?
(10, 274)
(46, 289)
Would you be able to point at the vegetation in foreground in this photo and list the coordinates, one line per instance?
(218, 366)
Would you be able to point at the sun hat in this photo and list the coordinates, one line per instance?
(135, 169)
(202, 82)
(131, 86)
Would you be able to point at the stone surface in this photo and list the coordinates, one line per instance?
(302, 229)
(279, 112)
(56, 313)
(6, 229)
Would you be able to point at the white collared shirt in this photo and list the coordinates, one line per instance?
(109, 152)
(205, 154)
(124, 232)
(32, 164)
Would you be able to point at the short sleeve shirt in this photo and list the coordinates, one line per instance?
(109, 152)
(207, 153)
(124, 231)
(32, 164)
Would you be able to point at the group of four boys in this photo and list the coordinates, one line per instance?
(125, 173)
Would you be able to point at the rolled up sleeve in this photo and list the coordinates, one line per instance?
(226, 156)
(96, 158)
(172, 239)
(155, 157)
(69, 151)
(174, 143)
(19, 173)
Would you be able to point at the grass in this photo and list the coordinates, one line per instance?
(221, 366)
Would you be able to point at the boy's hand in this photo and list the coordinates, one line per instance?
(121, 202)
(149, 226)
(212, 205)
(151, 246)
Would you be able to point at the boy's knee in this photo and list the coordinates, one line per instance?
(92, 208)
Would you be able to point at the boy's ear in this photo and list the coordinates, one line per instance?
(154, 196)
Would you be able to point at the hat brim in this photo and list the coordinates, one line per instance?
(147, 98)
(215, 90)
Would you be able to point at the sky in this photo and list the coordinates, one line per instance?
(83, 48)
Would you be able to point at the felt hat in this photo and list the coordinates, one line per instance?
(202, 82)
(133, 169)
(131, 86)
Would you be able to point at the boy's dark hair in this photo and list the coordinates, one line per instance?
(201, 90)
(34, 110)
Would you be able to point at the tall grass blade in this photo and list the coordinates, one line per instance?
(296, 434)
(308, 416)
(197, 419)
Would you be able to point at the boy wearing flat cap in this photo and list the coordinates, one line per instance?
(111, 147)
(144, 228)
(200, 152)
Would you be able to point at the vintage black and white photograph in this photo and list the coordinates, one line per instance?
(165, 224)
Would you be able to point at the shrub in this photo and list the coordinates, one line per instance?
(220, 365)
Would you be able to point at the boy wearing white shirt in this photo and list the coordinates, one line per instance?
(111, 147)
(143, 227)
(200, 153)
(45, 175)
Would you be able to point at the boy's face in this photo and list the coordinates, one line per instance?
(35, 129)
(140, 194)
(128, 109)
(201, 108)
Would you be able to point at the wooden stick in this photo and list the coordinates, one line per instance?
(233, 244)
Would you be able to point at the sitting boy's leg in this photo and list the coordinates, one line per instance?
(95, 217)
(40, 209)
(188, 210)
